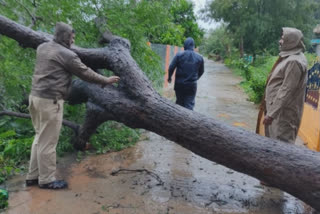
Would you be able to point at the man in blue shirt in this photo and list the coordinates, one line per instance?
(190, 67)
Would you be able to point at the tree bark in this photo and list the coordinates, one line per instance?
(135, 103)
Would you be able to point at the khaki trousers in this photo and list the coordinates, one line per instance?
(46, 118)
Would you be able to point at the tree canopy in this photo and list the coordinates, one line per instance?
(156, 21)
(136, 103)
(259, 22)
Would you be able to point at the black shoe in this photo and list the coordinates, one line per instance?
(59, 184)
(32, 182)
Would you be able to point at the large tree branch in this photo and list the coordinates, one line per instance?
(73, 126)
(135, 103)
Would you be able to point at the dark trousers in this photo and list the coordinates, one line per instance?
(186, 95)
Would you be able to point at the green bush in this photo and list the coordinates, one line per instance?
(4, 196)
(218, 43)
(113, 136)
(14, 147)
(242, 65)
(255, 74)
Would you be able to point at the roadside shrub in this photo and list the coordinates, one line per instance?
(218, 43)
(113, 136)
(4, 196)
(15, 146)
(255, 75)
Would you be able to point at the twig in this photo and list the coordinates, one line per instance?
(33, 18)
(67, 123)
(115, 172)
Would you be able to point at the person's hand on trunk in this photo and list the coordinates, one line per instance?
(113, 79)
(267, 121)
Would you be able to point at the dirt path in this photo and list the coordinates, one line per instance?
(191, 184)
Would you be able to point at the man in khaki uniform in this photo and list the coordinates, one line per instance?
(55, 65)
(286, 85)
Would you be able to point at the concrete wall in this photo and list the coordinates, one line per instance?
(166, 52)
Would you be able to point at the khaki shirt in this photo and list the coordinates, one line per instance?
(55, 65)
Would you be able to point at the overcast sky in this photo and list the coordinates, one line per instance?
(200, 4)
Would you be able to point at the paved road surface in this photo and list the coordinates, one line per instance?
(191, 184)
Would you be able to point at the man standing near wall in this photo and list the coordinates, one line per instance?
(190, 67)
(285, 90)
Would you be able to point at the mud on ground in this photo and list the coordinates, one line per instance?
(171, 179)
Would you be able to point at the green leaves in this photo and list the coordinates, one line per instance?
(255, 75)
(260, 22)
(219, 43)
(15, 72)
(183, 15)
(4, 196)
(7, 134)
(114, 137)
(14, 147)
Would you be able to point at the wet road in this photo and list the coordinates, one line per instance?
(171, 180)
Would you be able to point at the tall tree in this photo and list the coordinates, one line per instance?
(182, 12)
(257, 23)
(135, 103)
(219, 42)
(139, 21)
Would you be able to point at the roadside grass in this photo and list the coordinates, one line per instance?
(255, 74)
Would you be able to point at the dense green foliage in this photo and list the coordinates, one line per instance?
(14, 145)
(255, 74)
(157, 21)
(257, 24)
(253, 28)
(182, 11)
(219, 43)
(15, 73)
(4, 196)
(114, 137)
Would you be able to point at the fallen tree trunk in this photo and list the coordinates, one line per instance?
(135, 103)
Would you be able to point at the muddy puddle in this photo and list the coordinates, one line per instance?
(159, 176)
